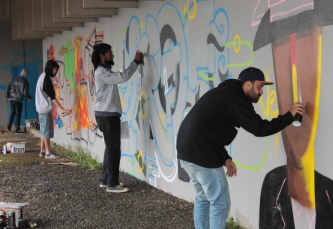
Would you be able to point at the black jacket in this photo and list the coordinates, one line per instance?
(210, 125)
(17, 89)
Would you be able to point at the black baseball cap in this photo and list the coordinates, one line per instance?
(253, 74)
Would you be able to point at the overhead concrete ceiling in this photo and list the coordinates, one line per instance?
(37, 19)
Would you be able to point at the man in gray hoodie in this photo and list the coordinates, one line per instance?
(16, 90)
(108, 110)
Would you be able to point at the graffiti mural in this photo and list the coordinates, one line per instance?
(298, 78)
(74, 86)
(190, 46)
(172, 80)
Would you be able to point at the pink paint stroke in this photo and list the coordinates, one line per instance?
(290, 11)
(276, 202)
(328, 197)
(300, 210)
(275, 4)
(255, 23)
(310, 221)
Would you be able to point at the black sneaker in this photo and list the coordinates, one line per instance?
(19, 132)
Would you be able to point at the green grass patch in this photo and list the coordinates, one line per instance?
(231, 224)
(82, 156)
(8, 160)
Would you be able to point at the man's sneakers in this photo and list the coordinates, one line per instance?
(19, 132)
(102, 185)
(8, 130)
(42, 154)
(50, 156)
(117, 189)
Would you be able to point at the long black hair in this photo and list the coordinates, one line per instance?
(99, 49)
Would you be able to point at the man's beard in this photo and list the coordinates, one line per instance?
(254, 97)
(109, 63)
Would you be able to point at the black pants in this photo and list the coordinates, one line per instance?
(110, 126)
(15, 109)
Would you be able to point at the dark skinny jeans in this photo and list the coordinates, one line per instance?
(15, 109)
(110, 126)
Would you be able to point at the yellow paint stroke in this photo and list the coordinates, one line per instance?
(308, 158)
(141, 26)
(237, 39)
(268, 111)
(143, 115)
(63, 50)
(162, 119)
(192, 16)
(271, 98)
(121, 102)
(294, 80)
(75, 125)
(140, 156)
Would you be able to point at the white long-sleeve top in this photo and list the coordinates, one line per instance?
(107, 101)
(43, 99)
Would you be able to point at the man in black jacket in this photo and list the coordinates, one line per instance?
(16, 90)
(209, 127)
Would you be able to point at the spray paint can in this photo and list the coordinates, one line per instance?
(3, 212)
(11, 220)
(4, 150)
(2, 221)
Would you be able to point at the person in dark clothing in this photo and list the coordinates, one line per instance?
(209, 127)
(16, 90)
(45, 100)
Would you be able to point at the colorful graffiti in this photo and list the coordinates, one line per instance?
(74, 85)
(189, 48)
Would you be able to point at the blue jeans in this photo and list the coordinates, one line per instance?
(46, 125)
(212, 203)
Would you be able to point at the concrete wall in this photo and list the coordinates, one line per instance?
(14, 55)
(190, 47)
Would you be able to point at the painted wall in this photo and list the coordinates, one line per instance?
(190, 46)
(14, 56)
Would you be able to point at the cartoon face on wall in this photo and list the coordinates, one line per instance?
(296, 66)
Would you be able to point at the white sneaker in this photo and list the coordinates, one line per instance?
(50, 155)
